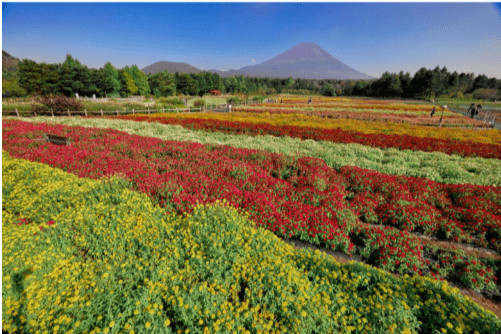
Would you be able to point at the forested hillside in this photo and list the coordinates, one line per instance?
(27, 77)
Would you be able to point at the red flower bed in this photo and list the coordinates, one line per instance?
(303, 198)
(403, 142)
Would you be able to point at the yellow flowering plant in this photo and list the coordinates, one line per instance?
(92, 256)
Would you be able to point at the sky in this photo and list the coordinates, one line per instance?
(370, 37)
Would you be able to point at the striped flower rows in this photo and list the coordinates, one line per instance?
(464, 135)
(405, 142)
(302, 198)
(422, 118)
(435, 166)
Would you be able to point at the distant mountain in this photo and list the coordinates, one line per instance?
(9, 63)
(161, 66)
(305, 61)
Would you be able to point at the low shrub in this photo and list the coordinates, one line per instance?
(233, 99)
(59, 105)
(259, 98)
(199, 103)
(170, 101)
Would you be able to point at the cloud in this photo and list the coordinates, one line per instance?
(253, 61)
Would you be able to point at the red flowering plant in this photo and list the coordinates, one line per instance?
(477, 275)
(452, 264)
(390, 249)
(365, 208)
(408, 215)
(449, 229)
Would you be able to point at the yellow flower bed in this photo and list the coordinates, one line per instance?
(484, 136)
(92, 256)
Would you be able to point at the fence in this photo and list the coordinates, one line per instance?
(137, 98)
(224, 107)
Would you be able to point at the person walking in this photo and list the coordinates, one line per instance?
(473, 110)
(432, 112)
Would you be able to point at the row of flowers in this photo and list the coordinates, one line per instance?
(319, 102)
(115, 263)
(435, 166)
(416, 118)
(300, 198)
(323, 109)
(348, 126)
(381, 140)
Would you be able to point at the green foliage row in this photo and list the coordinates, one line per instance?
(114, 262)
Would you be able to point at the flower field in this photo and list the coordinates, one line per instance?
(117, 263)
(374, 111)
(459, 142)
(175, 223)
(359, 127)
(434, 166)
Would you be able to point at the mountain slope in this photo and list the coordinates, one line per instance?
(170, 67)
(9, 63)
(306, 61)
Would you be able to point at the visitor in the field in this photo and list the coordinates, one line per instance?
(473, 110)
(432, 112)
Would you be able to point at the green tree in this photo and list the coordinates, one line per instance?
(112, 83)
(454, 82)
(230, 84)
(186, 84)
(11, 88)
(30, 76)
(162, 83)
(140, 79)
(129, 83)
(71, 77)
(419, 83)
(328, 90)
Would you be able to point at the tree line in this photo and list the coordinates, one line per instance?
(72, 77)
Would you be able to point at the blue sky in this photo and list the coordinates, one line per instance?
(369, 37)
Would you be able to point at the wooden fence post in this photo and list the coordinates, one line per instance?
(85, 112)
(17, 113)
(102, 112)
